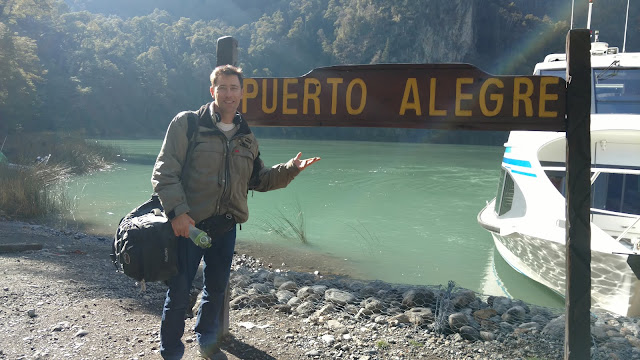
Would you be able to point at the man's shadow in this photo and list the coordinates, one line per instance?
(242, 350)
(229, 343)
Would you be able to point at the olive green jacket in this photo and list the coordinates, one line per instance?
(218, 173)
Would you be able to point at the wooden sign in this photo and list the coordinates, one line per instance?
(427, 96)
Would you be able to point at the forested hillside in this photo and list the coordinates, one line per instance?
(124, 68)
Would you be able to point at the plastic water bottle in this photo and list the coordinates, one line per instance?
(199, 237)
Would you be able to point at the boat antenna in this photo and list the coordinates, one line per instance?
(573, 3)
(589, 16)
(626, 23)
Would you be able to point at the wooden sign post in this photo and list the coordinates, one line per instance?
(577, 343)
(453, 97)
(227, 54)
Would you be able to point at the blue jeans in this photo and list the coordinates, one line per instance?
(216, 270)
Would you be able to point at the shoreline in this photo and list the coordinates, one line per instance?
(69, 287)
(275, 256)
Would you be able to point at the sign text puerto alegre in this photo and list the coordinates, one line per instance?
(428, 96)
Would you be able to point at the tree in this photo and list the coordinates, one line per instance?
(20, 69)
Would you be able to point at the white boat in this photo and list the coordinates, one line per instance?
(527, 217)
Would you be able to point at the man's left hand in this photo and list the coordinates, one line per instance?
(302, 164)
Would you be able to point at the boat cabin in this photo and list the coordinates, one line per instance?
(615, 149)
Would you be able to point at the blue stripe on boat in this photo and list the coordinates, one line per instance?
(522, 163)
(523, 173)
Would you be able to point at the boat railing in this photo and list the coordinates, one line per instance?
(635, 218)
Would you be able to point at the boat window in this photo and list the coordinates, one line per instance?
(617, 91)
(557, 178)
(616, 192)
(504, 197)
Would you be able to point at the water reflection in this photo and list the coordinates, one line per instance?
(614, 287)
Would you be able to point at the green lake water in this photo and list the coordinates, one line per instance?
(397, 212)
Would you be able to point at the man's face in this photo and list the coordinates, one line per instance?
(227, 93)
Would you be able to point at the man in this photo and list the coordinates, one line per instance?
(208, 188)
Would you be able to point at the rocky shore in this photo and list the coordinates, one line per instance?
(67, 301)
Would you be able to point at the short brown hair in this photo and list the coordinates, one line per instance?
(225, 70)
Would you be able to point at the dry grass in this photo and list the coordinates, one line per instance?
(33, 192)
(288, 226)
(71, 151)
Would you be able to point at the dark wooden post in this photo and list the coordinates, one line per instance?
(226, 54)
(578, 232)
(227, 51)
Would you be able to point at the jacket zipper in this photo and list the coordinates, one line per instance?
(227, 174)
(227, 171)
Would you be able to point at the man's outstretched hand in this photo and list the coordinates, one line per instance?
(302, 164)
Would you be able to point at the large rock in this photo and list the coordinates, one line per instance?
(484, 314)
(368, 290)
(463, 298)
(373, 305)
(506, 327)
(305, 308)
(265, 276)
(469, 333)
(279, 280)
(515, 314)
(419, 316)
(294, 301)
(634, 341)
(457, 321)
(283, 308)
(335, 325)
(240, 302)
(488, 325)
(258, 288)
(363, 313)
(398, 319)
(351, 309)
(555, 328)
(629, 328)
(339, 297)
(288, 285)
(530, 326)
(617, 343)
(325, 310)
(264, 300)
(328, 339)
(540, 319)
(599, 332)
(524, 305)
(284, 296)
(487, 336)
(319, 289)
(418, 298)
(307, 293)
(501, 304)
(240, 280)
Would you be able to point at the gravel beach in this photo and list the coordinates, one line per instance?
(67, 301)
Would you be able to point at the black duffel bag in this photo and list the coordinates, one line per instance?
(144, 246)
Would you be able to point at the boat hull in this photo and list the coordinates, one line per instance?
(614, 287)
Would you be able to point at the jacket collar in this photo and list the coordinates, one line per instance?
(208, 118)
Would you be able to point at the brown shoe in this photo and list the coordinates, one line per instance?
(218, 356)
(215, 355)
